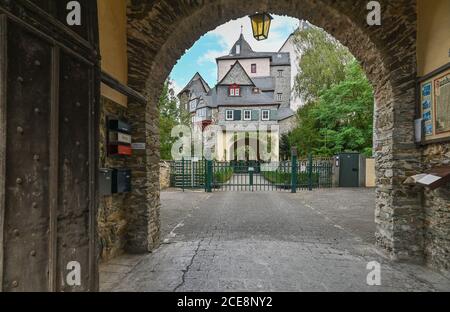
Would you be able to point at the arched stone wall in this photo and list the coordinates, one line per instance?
(159, 32)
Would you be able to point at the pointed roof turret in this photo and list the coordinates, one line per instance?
(241, 47)
(242, 50)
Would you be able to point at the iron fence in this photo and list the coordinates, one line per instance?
(251, 176)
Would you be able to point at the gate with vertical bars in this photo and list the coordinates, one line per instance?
(253, 176)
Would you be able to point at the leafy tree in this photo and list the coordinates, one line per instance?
(285, 147)
(340, 120)
(322, 64)
(170, 115)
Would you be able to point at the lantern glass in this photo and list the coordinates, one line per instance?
(261, 25)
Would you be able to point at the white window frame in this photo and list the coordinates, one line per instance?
(201, 112)
(268, 115)
(234, 92)
(279, 97)
(232, 115)
(250, 115)
(193, 105)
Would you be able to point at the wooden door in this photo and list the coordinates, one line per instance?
(49, 96)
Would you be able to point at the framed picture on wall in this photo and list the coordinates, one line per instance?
(434, 105)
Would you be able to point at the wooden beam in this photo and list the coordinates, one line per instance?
(3, 100)
(120, 87)
(94, 133)
(54, 170)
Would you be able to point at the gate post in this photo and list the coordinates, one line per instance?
(294, 171)
(310, 172)
(209, 173)
(182, 173)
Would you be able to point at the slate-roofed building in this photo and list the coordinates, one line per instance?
(253, 92)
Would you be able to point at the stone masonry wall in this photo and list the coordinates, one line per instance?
(143, 203)
(282, 84)
(159, 32)
(112, 219)
(437, 211)
(164, 175)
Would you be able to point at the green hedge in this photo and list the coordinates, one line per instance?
(223, 175)
(277, 177)
(285, 178)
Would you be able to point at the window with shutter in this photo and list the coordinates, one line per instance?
(274, 115)
(255, 115)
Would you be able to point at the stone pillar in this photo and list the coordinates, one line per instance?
(143, 203)
(399, 211)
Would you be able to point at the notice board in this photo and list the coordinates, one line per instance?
(434, 101)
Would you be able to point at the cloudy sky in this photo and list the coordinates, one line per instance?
(202, 56)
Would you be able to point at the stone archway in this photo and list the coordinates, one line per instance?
(160, 32)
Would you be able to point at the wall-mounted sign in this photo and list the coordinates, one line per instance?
(138, 146)
(435, 105)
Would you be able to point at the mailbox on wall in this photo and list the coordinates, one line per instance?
(119, 125)
(119, 138)
(105, 182)
(121, 181)
(119, 150)
(114, 181)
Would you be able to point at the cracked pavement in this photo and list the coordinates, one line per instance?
(268, 241)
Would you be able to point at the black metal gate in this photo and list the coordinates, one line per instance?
(188, 174)
(49, 95)
(253, 176)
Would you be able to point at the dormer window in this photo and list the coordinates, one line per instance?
(234, 90)
(238, 49)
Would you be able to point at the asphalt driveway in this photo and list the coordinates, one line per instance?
(266, 241)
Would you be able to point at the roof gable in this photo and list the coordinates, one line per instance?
(237, 75)
(196, 85)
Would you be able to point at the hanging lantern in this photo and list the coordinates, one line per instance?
(261, 25)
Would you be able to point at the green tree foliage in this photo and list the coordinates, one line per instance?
(285, 147)
(323, 62)
(338, 115)
(340, 120)
(170, 115)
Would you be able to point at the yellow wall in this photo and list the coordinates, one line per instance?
(113, 44)
(370, 172)
(433, 37)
